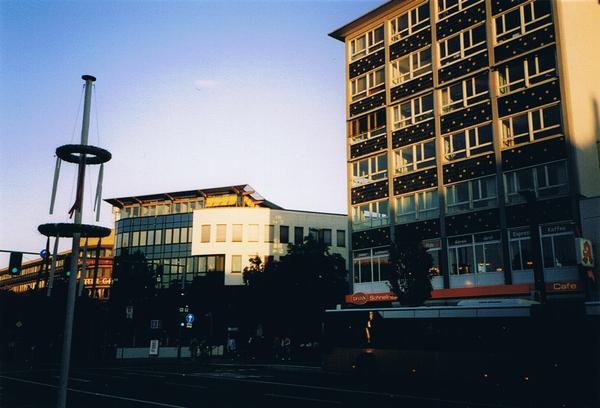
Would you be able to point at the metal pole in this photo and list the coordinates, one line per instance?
(53, 268)
(536, 246)
(70, 311)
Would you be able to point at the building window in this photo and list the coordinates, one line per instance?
(326, 236)
(236, 264)
(341, 238)
(414, 111)
(269, 233)
(527, 72)
(547, 180)
(367, 126)
(469, 142)
(370, 215)
(205, 233)
(446, 8)
(135, 238)
(558, 246)
(409, 23)
(411, 66)
(366, 43)
(371, 265)
(463, 45)
(434, 248)
(422, 205)
(169, 235)
(415, 157)
(221, 232)
(522, 20)
(157, 237)
(184, 235)
(298, 235)
(531, 126)
(368, 84)
(237, 232)
(284, 234)
(313, 233)
(521, 254)
(253, 233)
(471, 195)
(475, 253)
(465, 93)
(369, 170)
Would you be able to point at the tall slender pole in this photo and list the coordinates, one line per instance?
(70, 311)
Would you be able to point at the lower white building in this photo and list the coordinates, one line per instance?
(233, 235)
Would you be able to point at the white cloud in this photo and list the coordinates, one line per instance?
(201, 84)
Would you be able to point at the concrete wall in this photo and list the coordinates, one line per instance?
(163, 352)
(578, 27)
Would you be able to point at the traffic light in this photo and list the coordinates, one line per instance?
(14, 264)
(66, 269)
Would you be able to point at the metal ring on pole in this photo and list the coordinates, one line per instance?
(93, 155)
(63, 229)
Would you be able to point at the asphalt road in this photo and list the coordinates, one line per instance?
(231, 385)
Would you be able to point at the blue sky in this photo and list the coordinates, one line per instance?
(190, 94)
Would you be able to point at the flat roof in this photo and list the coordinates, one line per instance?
(241, 189)
(342, 32)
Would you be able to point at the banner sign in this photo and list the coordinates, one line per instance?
(360, 298)
(585, 254)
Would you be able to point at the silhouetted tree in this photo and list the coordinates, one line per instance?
(409, 272)
(289, 296)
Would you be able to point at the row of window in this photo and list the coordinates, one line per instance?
(520, 129)
(236, 234)
(547, 180)
(515, 22)
(514, 76)
(154, 237)
(479, 253)
(164, 208)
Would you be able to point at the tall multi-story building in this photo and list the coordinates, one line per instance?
(456, 108)
(214, 232)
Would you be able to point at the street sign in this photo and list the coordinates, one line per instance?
(189, 318)
(44, 254)
(155, 324)
(153, 348)
(129, 312)
(188, 325)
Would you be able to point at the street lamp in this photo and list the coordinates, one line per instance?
(534, 233)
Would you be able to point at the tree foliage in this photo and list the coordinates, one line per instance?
(409, 272)
(289, 296)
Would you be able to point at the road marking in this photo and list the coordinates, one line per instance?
(98, 394)
(374, 393)
(303, 399)
(145, 374)
(75, 379)
(200, 387)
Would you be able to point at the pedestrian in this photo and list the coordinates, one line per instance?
(231, 347)
(287, 348)
(193, 348)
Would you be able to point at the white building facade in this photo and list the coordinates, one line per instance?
(235, 234)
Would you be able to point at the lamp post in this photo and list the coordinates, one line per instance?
(534, 233)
